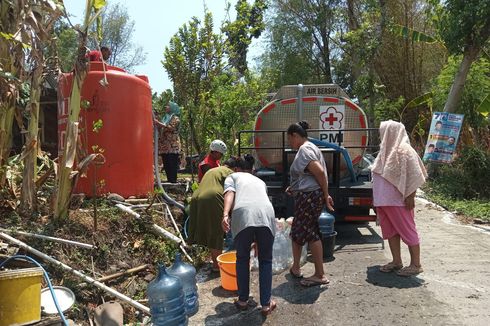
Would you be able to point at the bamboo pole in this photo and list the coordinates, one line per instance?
(45, 237)
(88, 279)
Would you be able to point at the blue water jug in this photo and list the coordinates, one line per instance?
(187, 274)
(326, 222)
(166, 300)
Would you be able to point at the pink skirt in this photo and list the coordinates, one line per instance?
(398, 220)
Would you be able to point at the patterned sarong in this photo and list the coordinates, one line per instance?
(307, 209)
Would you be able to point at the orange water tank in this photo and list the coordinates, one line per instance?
(115, 120)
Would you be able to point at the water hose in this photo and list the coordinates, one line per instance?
(46, 277)
(341, 149)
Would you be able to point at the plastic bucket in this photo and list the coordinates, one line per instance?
(20, 296)
(227, 270)
(328, 242)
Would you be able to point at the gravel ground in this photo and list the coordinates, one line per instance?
(453, 290)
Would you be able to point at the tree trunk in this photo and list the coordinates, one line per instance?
(470, 54)
(7, 112)
(28, 194)
(354, 26)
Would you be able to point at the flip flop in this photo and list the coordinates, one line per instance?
(294, 274)
(410, 271)
(308, 282)
(267, 310)
(390, 267)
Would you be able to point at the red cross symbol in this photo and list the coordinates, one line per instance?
(331, 119)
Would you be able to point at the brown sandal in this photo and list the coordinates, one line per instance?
(410, 271)
(390, 267)
(240, 305)
(267, 310)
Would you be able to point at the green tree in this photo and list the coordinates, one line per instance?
(249, 24)
(117, 30)
(66, 45)
(300, 45)
(465, 29)
(193, 59)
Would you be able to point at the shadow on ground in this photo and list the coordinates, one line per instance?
(228, 314)
(391, 280)
(293, 292)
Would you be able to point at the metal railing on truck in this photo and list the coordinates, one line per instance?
(335, 148)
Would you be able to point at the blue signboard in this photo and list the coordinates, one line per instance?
(443, 137)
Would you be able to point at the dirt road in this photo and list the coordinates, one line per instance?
(453, 290)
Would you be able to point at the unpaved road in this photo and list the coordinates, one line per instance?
(453, 290)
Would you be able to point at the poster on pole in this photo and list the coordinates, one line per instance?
(443, 137)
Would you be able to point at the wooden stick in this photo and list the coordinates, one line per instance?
(127, 272)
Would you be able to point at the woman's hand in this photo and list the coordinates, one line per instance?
(225, 224)
(410, 201)
(329, 203)
(288, 191)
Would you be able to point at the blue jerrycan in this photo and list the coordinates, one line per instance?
(326, 222)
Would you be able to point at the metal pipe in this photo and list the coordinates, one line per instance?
(88, 279)
(299, 104)
(45, 237)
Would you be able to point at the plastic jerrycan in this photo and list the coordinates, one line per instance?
(187, 274)
(166, 300)
(326, 222)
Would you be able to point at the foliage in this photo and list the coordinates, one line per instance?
(386, 109)
(471, 208)
(463, 186)
(66, 45)
(299, 35)
(467, 177)
(464, 23)
(193, 59)
(117, 30)
(249, 24)
(477, 87)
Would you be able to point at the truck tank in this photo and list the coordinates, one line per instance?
(326, 107)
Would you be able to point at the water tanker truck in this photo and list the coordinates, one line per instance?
(338, 127)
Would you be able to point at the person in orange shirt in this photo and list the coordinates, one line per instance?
(216, 151)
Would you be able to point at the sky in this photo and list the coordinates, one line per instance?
(156, 21)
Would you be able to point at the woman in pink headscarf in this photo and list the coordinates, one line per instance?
(397, 173)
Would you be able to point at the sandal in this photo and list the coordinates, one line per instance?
(410, 271)
(267, 310)
(309, 282)
(240, 305)
(390, 267)
(294, 274)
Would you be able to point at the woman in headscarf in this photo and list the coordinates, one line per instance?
(397, 173)
(169, 141)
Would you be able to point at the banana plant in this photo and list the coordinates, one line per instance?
(42, 15)
(65, 181)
